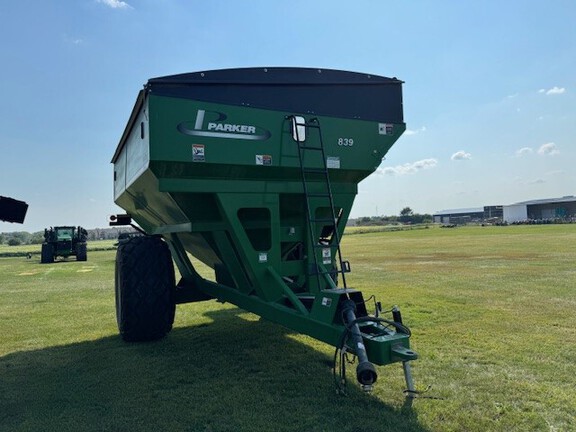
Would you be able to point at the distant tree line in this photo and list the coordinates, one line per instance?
(26, 238)
(406, 216)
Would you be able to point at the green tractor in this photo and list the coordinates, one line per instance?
(64, 241)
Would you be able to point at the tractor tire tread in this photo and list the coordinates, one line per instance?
(145, 285)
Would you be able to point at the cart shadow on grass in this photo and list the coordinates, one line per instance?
(232, 374)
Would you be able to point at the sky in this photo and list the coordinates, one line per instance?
(489, 93)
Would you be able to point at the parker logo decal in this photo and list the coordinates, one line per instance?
(213, 124)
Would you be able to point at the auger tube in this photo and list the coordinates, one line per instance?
(365, 371)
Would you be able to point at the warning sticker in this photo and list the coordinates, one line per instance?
(333, 162)
(326, 256)
(385, 128)
(262, 257)
(263, 160)
(198, 153)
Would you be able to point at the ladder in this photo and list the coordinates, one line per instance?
(320, 177)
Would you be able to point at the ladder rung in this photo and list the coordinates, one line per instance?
(308, 125)
(324, 220)
(305, 147)
(335, 271)
(315, 273)
(315, 170)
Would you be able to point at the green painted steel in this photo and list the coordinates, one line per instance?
(223, 182)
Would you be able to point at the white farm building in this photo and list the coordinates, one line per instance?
(535, 210)
(544, 209)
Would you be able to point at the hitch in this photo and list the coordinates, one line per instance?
(122, 220)
(362, 338)
(119, 220)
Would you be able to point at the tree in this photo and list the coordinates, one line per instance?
(406, 215)
(14, 241)
(406, 211)
(37, 237)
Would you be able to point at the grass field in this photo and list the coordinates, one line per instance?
(35, 249)
(492, 311)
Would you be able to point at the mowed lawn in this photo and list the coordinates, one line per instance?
(492, 312)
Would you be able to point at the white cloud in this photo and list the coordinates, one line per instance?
(408, 168)
(537, 181)
(115, 4)
(415, 131)
(461, 155)
(72, 40)
(548, 149)
(553, 91)
(524, 151)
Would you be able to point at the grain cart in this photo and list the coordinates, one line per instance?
(64, 241)
(253, 172)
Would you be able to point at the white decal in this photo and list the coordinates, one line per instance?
(385, 128)
(333, 162)
(198, 152)
(263, 160)
(326, 256)
(346, 142)
(217, 128)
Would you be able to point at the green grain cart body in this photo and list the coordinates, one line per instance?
(254, 172)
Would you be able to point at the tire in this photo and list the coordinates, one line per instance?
(81, 254)
(144, 285)
(47, 255)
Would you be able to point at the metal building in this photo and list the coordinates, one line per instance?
(541, 210)
(459, 216)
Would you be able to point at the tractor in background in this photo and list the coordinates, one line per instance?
(64, 241)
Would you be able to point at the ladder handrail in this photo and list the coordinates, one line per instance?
(314, 123)
(331, 199)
